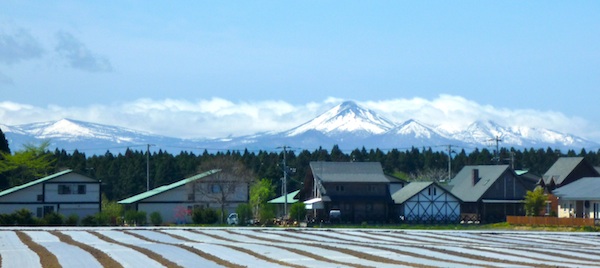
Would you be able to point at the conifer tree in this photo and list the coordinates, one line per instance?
(3, 143)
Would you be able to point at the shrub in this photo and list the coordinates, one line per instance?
(7, 219)
(53, 219)
(23, 217)
(210, 216)
(204, 216)
(72, 220)
(197, 216)
(89, 220)
(133, 217)
(156, 218)
(244, 212)
(298, 211)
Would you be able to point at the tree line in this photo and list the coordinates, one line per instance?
(125, 174)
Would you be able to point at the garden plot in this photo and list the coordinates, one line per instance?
(303, 247)
(15, 253)
(173, 253)
(124, 255)
(67, 255)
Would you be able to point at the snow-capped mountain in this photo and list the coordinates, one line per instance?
(348, 125)
(345, 119)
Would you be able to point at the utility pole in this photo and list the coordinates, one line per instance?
(449, 162)
(497, 153)
(148, 166)
(284, 186)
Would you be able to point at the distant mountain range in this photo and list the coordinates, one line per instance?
(348, 125)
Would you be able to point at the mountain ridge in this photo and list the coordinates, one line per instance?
(347, 125)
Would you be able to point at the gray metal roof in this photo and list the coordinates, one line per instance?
(409, 191)
(561, 169)
(348, 172)
(462, 186)
(587, 188)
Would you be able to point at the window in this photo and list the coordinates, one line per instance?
(40, 197)
(215, 188)
(371, 188)
(339, 188)
(190, 197)
(64, 189)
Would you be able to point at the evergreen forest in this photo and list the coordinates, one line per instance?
(125, 174)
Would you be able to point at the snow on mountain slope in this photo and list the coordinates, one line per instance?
(347, 125)
(348, 118)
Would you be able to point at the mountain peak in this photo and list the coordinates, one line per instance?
(347, 117)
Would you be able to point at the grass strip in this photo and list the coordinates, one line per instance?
(194, 250)
(103, 258)
(250, 252)
(47, 259)
(152, 255)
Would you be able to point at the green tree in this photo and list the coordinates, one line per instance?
(260, 192)
(28, 164)
(534, 201)
(3, 143)
(298, 211)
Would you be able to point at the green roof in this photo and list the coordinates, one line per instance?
(32, 183)
(164, 188)
(290, 198)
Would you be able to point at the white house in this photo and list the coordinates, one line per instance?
(65, 192)
(176, 201)
(579, 199)
(426, 202)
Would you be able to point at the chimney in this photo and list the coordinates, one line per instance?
(475, 175)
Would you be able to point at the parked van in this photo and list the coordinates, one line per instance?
(335, 215)
(232, 219)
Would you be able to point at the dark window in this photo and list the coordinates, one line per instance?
(40, 212)
(190, 197)
(64, 189)
(81, 189)
(339, 188)
(40, 197)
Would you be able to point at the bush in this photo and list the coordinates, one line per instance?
(298, 211)
(23, 217)
(204, 216)
(137, 218)
(156, 218)
(244, 212)
(7, 219)
(89, 220)
(72, 220)
(53, 219)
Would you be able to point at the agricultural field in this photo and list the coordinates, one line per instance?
(293, 247)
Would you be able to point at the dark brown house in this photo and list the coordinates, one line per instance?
(490, 193)
(359, 190)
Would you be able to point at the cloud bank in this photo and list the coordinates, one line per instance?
(18, 45)
(217, 117)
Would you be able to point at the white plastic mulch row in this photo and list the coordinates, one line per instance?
(434, 248)
(123, 255)
(67, 255)
(175, 254)
(15, 253)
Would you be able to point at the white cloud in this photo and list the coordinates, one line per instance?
(216, 117)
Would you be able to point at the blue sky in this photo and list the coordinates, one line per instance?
(241, 67)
